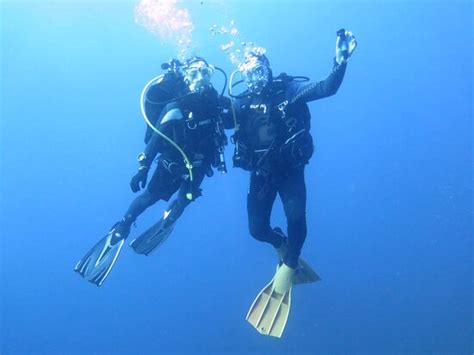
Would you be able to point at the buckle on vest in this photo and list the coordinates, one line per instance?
(281, 106)
(191, 124)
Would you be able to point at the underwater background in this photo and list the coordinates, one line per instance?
(390, 211)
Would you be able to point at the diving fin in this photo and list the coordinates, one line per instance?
(304, 272)
(269, 312)
(152, 238)
(96, 265)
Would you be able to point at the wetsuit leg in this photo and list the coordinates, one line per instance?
(178, 205)
(292, 190)
(139, 205)
(260, 199)
(162, 186)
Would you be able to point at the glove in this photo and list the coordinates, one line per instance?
(140, 178)
(345, 44)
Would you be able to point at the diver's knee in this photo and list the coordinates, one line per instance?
(257, 231)
(149, 197)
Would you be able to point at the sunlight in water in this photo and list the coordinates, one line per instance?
(165, 19)
(236, 48)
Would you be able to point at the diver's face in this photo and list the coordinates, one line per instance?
(197, 76)
(258, 77)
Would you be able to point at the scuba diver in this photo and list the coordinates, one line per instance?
(185, 129)
(273, 141)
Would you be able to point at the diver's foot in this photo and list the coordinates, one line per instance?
(303, 272)
(120, 231)
(283, 279)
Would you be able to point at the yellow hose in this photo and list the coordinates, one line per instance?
(186, 160)
(236, 125)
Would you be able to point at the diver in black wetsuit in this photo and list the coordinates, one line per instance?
(193, 122)
(274, 143)
(185, 128)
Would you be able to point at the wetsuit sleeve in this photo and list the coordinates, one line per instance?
(151, 150)
(321, 89)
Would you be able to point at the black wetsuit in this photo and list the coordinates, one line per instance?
(195, 133)
(274, 143)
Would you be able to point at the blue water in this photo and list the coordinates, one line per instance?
(390, 213)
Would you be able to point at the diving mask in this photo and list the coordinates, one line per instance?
(257, 73)
(197, 75)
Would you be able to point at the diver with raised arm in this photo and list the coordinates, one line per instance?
(273, 142)
(185, 136)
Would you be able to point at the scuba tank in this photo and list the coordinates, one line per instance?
(166, 89)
